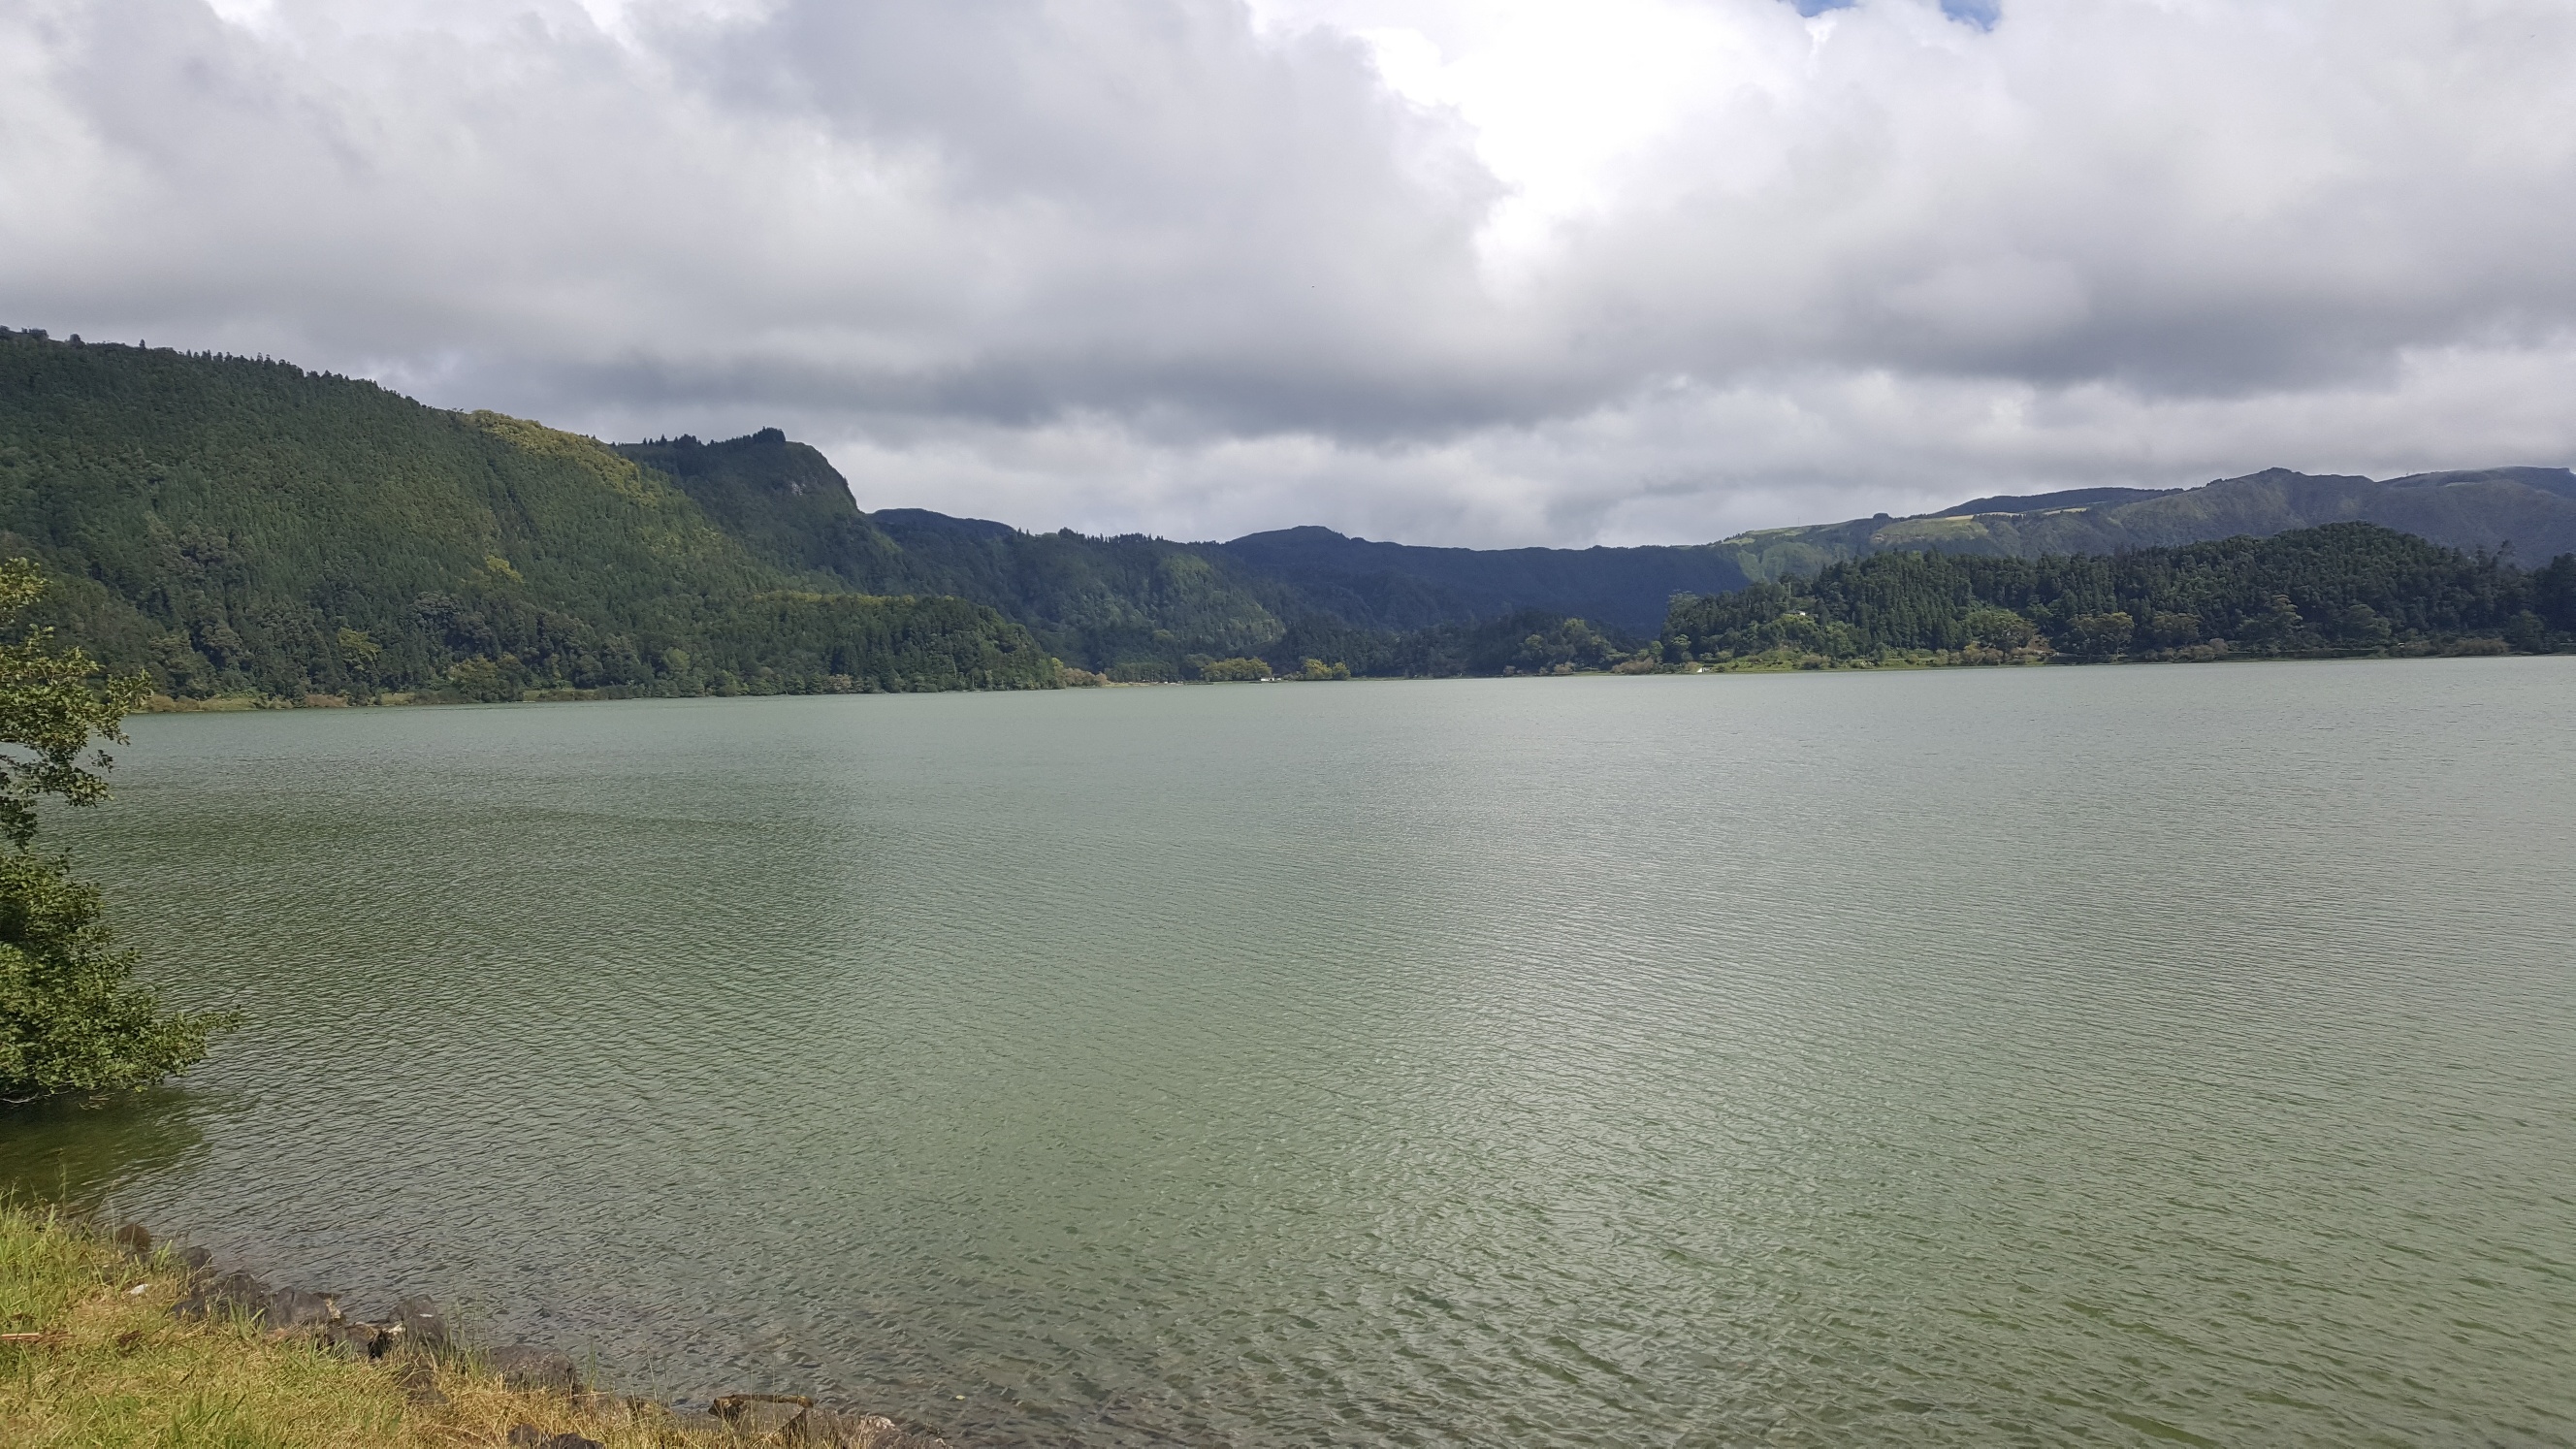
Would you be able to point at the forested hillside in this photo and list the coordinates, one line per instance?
(241, 526)
(1144, 607)
(1405, 586)
(2528, 512)
(2339, 590)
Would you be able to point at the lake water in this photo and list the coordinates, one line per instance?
(2111, 1056)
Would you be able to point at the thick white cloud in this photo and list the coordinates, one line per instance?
(1488, 272)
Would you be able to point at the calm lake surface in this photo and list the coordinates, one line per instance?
(2112, 1056)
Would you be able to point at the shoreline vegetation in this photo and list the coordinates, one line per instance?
(1772, 661)
(2337, 592)
(1785, 660)
(114, 1340)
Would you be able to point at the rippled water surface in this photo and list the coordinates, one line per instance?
(2112, 1056)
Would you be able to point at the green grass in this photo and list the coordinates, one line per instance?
(108, 1367)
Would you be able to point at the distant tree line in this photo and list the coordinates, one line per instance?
(2344, 589)
(1530, 641)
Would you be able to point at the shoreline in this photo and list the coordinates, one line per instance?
(162, 704)
(126, 1327)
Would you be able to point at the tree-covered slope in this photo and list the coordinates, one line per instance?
(2531, 511)
(1098, 603)
(1405, 586)
(234, 525)
(1129, 599)
(783, 501)
(2340, 589)
(240, 526)
(1149, 606)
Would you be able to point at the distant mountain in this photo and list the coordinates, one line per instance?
(1096, 603)
(1152, 608)
(2530, 510)
(235, 526)
(1404, 586)
(784, 501)
(2046, 502)
(1149, 606)
(240, 526)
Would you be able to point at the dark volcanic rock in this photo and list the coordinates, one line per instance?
(418, 1326)
(355, 1340)
(290, 1308)
(230, 1295)
(195, 1259)
(136, 1239)
(526, 1366)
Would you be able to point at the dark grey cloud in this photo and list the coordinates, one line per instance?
(1492, 272)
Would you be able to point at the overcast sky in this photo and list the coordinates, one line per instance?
(1521, 271)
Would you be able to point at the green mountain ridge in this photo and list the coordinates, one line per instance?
(241, 526)
(2532, 511)
(1093, 602)
(1137, 601)
(1148, 606)
(2338, 589)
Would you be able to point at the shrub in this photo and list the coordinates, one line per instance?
(70, 1021)
(1237, 671)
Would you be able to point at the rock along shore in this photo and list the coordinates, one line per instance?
(414, 1338)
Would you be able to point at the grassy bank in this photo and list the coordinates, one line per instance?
(92, 1356)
